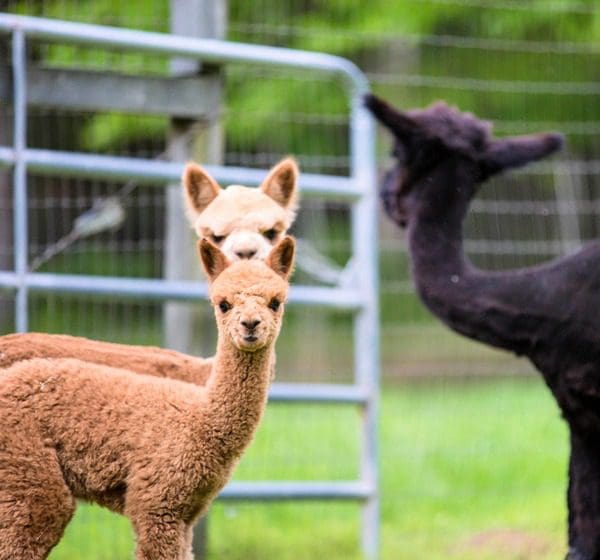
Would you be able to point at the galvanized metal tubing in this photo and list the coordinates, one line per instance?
(359, 189)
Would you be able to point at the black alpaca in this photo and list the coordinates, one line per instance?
(549, 313)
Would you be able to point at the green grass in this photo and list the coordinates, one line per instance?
(470, 470)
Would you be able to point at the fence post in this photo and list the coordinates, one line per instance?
(568, 192)
(202, 142)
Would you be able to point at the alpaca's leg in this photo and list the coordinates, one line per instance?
(187, 543)
(584, 499)
(159, 536)
(35, 503)
(574, 555)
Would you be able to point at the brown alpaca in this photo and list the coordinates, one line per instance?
(156, 450)
(148, 360)
(245, 222)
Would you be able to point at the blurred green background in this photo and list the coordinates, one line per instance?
(472, 449)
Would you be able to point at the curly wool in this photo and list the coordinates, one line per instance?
(156, 450)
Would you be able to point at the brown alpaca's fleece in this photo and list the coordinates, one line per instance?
(156, 450)
(242, 220)
(139, 359)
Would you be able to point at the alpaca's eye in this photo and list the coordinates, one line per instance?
(274, 304)
(270, 234)
(224, 306)
(217, 238)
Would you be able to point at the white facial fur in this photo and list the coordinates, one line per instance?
(244, 222)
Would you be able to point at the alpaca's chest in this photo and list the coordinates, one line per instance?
(575, 384)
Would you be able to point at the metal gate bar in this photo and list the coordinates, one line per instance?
(360, 297)
(155, 172)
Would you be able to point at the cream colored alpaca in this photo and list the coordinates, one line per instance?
(156, 450)
(245, 222)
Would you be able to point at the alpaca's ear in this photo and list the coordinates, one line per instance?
(282, 182)
(281, 257)
(213, 259)
(517, 151)
(199, 187)
(400, 124)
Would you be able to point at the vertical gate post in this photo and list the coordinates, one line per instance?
(6, 222)
(202, 142)
(366, 326)
(20, 240)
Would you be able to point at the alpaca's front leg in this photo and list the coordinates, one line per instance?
(160, 536)
(35, 503)
(187, 546)
(574, 555)
(584, 499)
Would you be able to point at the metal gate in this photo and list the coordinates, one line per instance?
(360, 295)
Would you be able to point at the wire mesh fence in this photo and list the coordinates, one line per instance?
(525, 66)
(518, 65)
(479, 57)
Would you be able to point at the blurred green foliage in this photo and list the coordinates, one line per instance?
(370, 33)
(451, 475)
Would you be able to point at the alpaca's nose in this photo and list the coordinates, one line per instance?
(246, 253)
(251, 324)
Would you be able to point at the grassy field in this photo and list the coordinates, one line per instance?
(470, 470)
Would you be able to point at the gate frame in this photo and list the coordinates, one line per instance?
(360, 297)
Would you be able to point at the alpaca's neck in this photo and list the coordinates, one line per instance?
(435, 233)
(436, 245)
(237, 392)
(495, 308)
